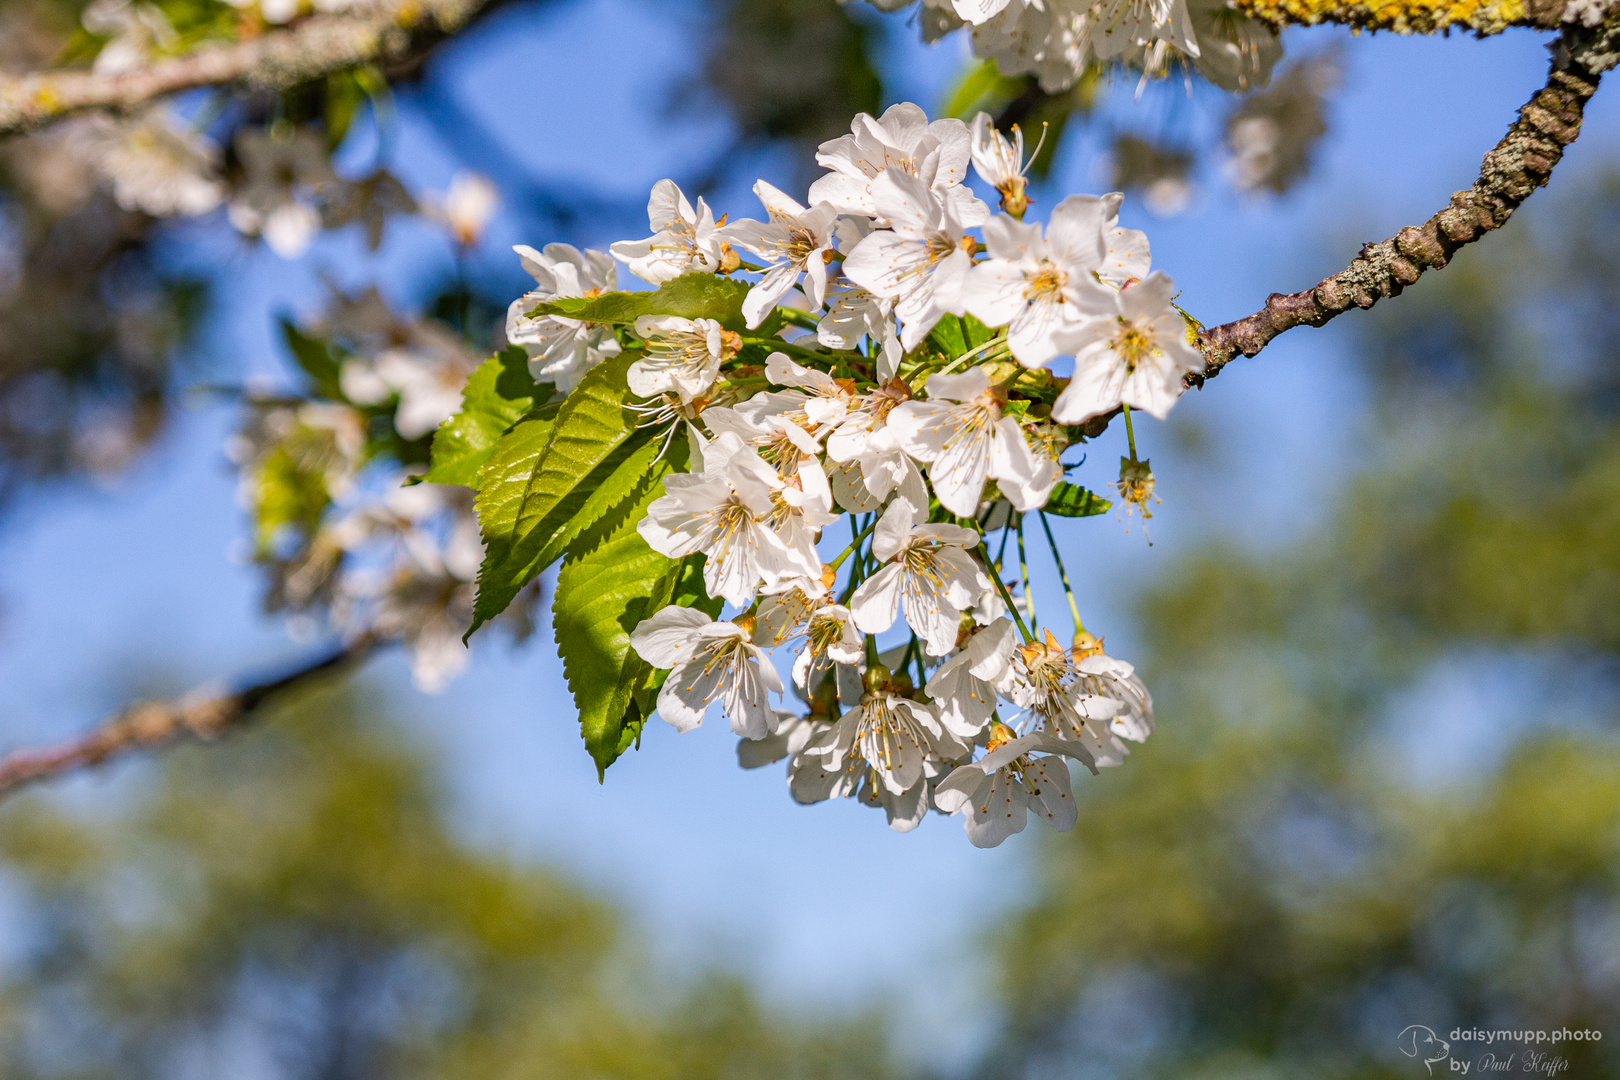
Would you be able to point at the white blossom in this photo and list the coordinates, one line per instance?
(683, 240)
(922, 261)
(1103, 675)
(1042, 288)
(682, 356)
(999, 161)
(725, 512)
(854, 313)
(562, 350)
(1042, 678)
(707, 660)
(995, 793)
(869, 461)
(1136, 356)
(283, 175)
(927, 572)
(157, 167)
(887, 736)
(793, 242)
(961, 432)
(963, 688)
(468, 207)
(902, 142)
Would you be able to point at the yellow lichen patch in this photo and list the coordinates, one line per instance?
(44, 101)
(1400, 16)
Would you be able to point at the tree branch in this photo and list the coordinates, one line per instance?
(314, 47)
(155, 723)
(1410, 16)
(1520, 163)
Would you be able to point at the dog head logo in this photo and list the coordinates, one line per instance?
(1418, 1041)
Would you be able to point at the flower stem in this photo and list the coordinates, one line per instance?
(776, 344)
(871, 652)
(1130, 433)
(1074, 609)
(1001, 587)
(798, 318)
(1023, 576)
(859, 536)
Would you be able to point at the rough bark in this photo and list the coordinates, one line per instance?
(1523, 161)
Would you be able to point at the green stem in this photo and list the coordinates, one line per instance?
(853, 544)
(1023, 576)
(798, 318)
(1130, 433)
(1001, 587)
(871, 652)
(1074, 609)
(776, 344)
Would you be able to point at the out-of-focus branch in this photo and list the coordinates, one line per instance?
(156, 723)
(387, 34)
(1520, 163)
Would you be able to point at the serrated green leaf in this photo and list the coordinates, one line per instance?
(1072, 500)
(504, 477)
(591, 424)
(609, 583)
(609, 484)
(691, 296)
(319, 360)
(499, 394)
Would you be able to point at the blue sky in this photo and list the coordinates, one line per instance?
(110, 591)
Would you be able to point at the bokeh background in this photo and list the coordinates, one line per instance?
(1380, 615)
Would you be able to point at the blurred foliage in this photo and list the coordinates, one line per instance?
(789, 70)
(295, 904)
(1263, 892)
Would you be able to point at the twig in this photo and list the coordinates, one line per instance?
(155, 723)
(1520, 163)
(312, 48)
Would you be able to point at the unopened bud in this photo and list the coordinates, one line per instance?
(729, 259)
(877, 677)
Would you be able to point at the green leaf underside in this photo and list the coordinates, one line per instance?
(499, 394)
(611, 581)
(690, 296)
(590, 424)
(316, 358)
(1072, 500)
(954, 335)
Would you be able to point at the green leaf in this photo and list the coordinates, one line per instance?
(505, 477)
(499, 394)
(1072, 500)
(691, 296)
(319, 360)
(954, 335)
(609, 583)
(591, 423)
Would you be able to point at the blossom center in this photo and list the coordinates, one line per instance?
(1133, 343)
(1045, 283)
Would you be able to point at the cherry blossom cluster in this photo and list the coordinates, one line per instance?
(1057, 40)
(859, 414)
